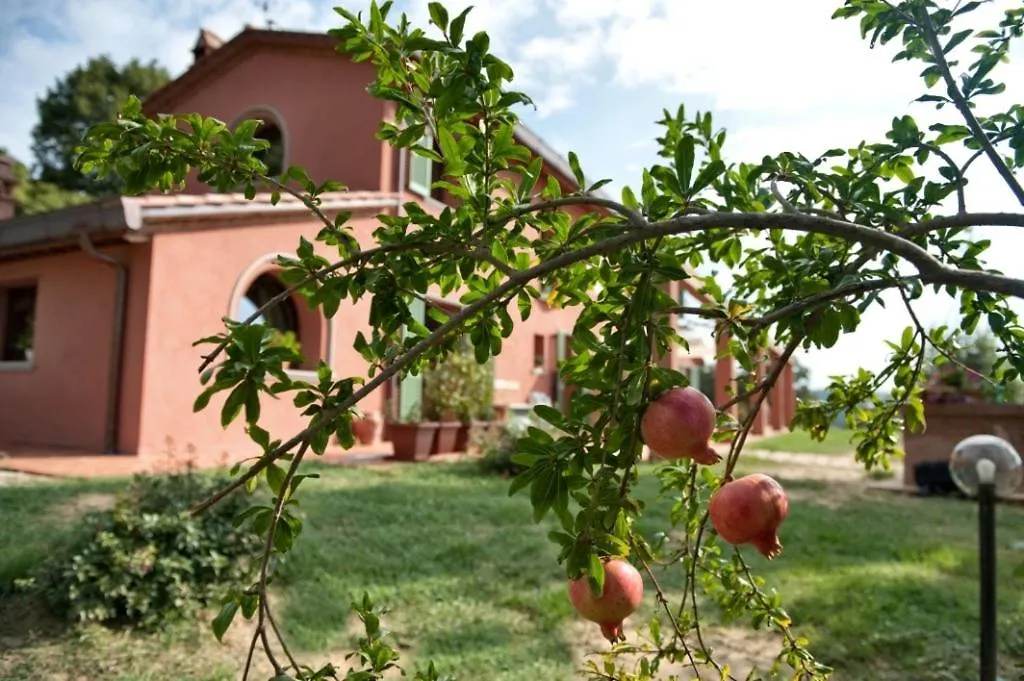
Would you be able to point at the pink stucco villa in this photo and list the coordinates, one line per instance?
(100, 303)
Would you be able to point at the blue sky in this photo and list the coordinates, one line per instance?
(778, 76)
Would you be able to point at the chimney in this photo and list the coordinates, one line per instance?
(7, 184)
(208, 42)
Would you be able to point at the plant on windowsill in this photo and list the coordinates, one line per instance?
(24, 342)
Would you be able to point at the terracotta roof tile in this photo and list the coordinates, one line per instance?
(238, 198)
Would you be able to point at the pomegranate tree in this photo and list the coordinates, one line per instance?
(620, 596)
(679, 424)
(749, 510)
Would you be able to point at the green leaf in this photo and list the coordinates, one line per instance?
(223, 619)
(458, 25)
(595, 574)
(234, 403)
(684, 157)
(574, 164)
(438, 15)
(275, 478)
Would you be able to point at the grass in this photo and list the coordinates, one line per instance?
(883, 585)
(799, 441)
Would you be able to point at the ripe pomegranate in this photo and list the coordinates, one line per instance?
(749, 510)
(679, 424)
(622, 593)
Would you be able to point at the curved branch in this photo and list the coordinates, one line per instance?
(931, 271)
(964, 220)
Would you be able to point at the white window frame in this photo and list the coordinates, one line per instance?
(419, 165)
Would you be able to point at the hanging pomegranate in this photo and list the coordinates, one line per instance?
(679, 424)
(750, 510)
(623, 590)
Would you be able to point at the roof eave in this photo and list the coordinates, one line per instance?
(109, 215)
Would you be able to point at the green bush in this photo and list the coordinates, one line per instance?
(147, 561)
(497, 447)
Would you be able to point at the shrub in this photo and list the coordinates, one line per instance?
(497, 445)
(147, 561)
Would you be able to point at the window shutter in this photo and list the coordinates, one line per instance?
(421, 170)
(410, 390)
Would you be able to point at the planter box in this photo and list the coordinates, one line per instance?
(948, 424)
(412, 441)
(447, 434)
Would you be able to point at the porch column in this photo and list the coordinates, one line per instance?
(790, 401)
(723, 373)
(777, 399)
(761, 420)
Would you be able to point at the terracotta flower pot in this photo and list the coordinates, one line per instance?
(447, 434)
(412, 441)
(365, 430)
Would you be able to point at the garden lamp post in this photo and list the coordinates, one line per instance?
(985, 466)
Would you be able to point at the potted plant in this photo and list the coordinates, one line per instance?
(446, 395)
(412, 438)
(364, 427)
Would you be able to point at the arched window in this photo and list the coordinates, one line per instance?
(296, 323)
(274, 156)
(271, 129)
(284, 316)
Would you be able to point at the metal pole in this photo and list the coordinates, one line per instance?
(987, 563)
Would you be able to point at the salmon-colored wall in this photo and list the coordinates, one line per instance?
(327, 117)
(62, 400)
(193, 276)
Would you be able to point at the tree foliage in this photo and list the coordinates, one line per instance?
(35, 196)
(832, 232)
(89, 94)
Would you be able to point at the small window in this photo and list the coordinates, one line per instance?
(18, 308)
(421, 169)
(539, 354)
(274, 156)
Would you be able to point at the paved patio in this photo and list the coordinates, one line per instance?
(55, 462)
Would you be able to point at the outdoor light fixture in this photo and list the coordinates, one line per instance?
(986, 466)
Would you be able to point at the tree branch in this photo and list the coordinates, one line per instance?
(962, 105)
(931, 270)
(964, 220)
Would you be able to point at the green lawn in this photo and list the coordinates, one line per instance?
(882, 584)
(799, 441)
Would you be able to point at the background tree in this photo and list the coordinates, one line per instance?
(34, 196)
(841, 228)
(87, 95)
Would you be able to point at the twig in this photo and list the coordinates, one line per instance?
(284, 295)
(268, 550)
(680, 635)
(928, 29)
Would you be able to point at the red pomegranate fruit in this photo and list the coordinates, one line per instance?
(749, 510)
(622, 593)
(679, 423)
